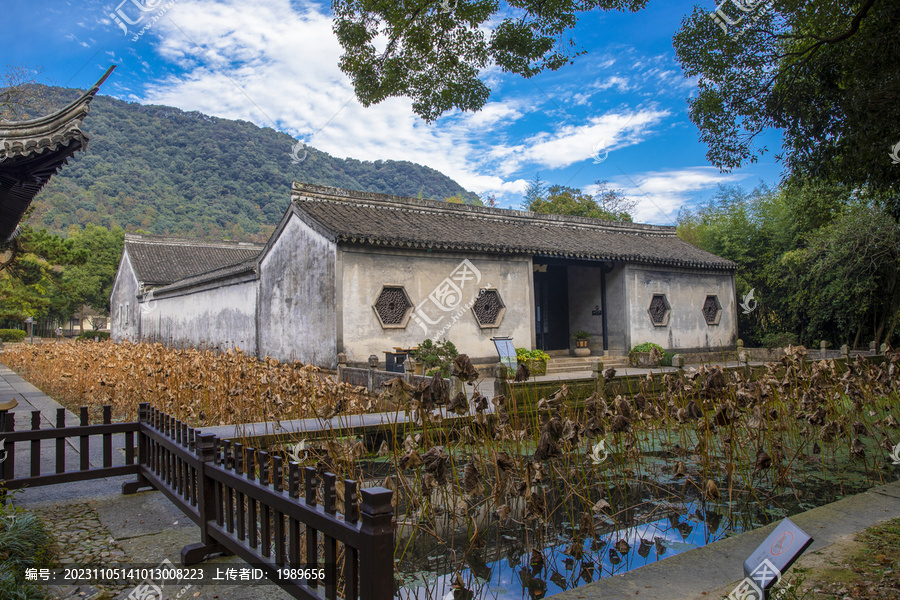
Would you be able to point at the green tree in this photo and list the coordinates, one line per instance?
(608, 204)
(825, 73)
(535, 192)
(821, 260)
(91, 282)
(849, 275)
(437, 49)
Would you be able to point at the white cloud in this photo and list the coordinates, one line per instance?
(661, 194)
(274, 63)
(573, 143)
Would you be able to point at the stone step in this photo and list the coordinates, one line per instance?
(557, 365)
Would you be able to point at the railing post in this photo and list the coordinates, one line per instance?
(597, 376)
(130, 487)
(373, 364)
(341, 365)
(376, 556)
(206, 505)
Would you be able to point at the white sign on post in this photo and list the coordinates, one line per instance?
(507, 353)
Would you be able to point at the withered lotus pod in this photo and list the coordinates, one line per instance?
(623, 407)
(410, 460)
(623, 546)
(504, 462)
(693, 411)
(640, 401)
(436, 461)
(711, 491)
(463, 368)
(609, 373)
(620, 424)
(535, 507)
(472, 480)
(503, 512)
(857, 449)
(480, 402)
(547, 448)
(575, 549)
(522, 373)
(459, 404)
(763, 460)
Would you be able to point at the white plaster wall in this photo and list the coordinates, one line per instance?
(297, 299)
(123, 306)
(221, 317)
(686, 291)
(365, 271)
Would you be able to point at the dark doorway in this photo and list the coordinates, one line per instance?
(551, 307)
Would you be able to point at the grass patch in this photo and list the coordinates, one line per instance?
(25, 542)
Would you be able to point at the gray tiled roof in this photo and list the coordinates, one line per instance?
(378, 219)
(159, 260)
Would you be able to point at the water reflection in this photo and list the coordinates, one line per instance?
(566, 564)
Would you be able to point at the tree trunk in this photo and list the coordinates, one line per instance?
(856, 339)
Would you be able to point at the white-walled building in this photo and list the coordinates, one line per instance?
(362, 273)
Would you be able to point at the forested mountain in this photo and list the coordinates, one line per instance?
(166, 171)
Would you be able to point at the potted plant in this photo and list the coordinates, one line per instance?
(581, 343)
(535, 360)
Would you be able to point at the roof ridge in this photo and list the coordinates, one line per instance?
(140, 238)
(336, 195)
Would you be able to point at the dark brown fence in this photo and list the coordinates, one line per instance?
(245, 501)
(61, 436)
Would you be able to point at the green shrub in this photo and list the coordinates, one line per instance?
(25, 543)
(90, 335)
(647, 347)
(11, 335)
(779, 340)
(666, 360)
(523, 354)
(436, 356)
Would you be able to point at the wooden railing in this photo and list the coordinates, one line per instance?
(245, 501)
(60, 435)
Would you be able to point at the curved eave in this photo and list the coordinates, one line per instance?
(32, 151)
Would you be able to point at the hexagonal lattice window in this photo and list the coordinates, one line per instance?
(488, 308)
(712, 310)
(659, 310)
(393, 307)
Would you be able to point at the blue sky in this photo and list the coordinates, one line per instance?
(274, 62)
